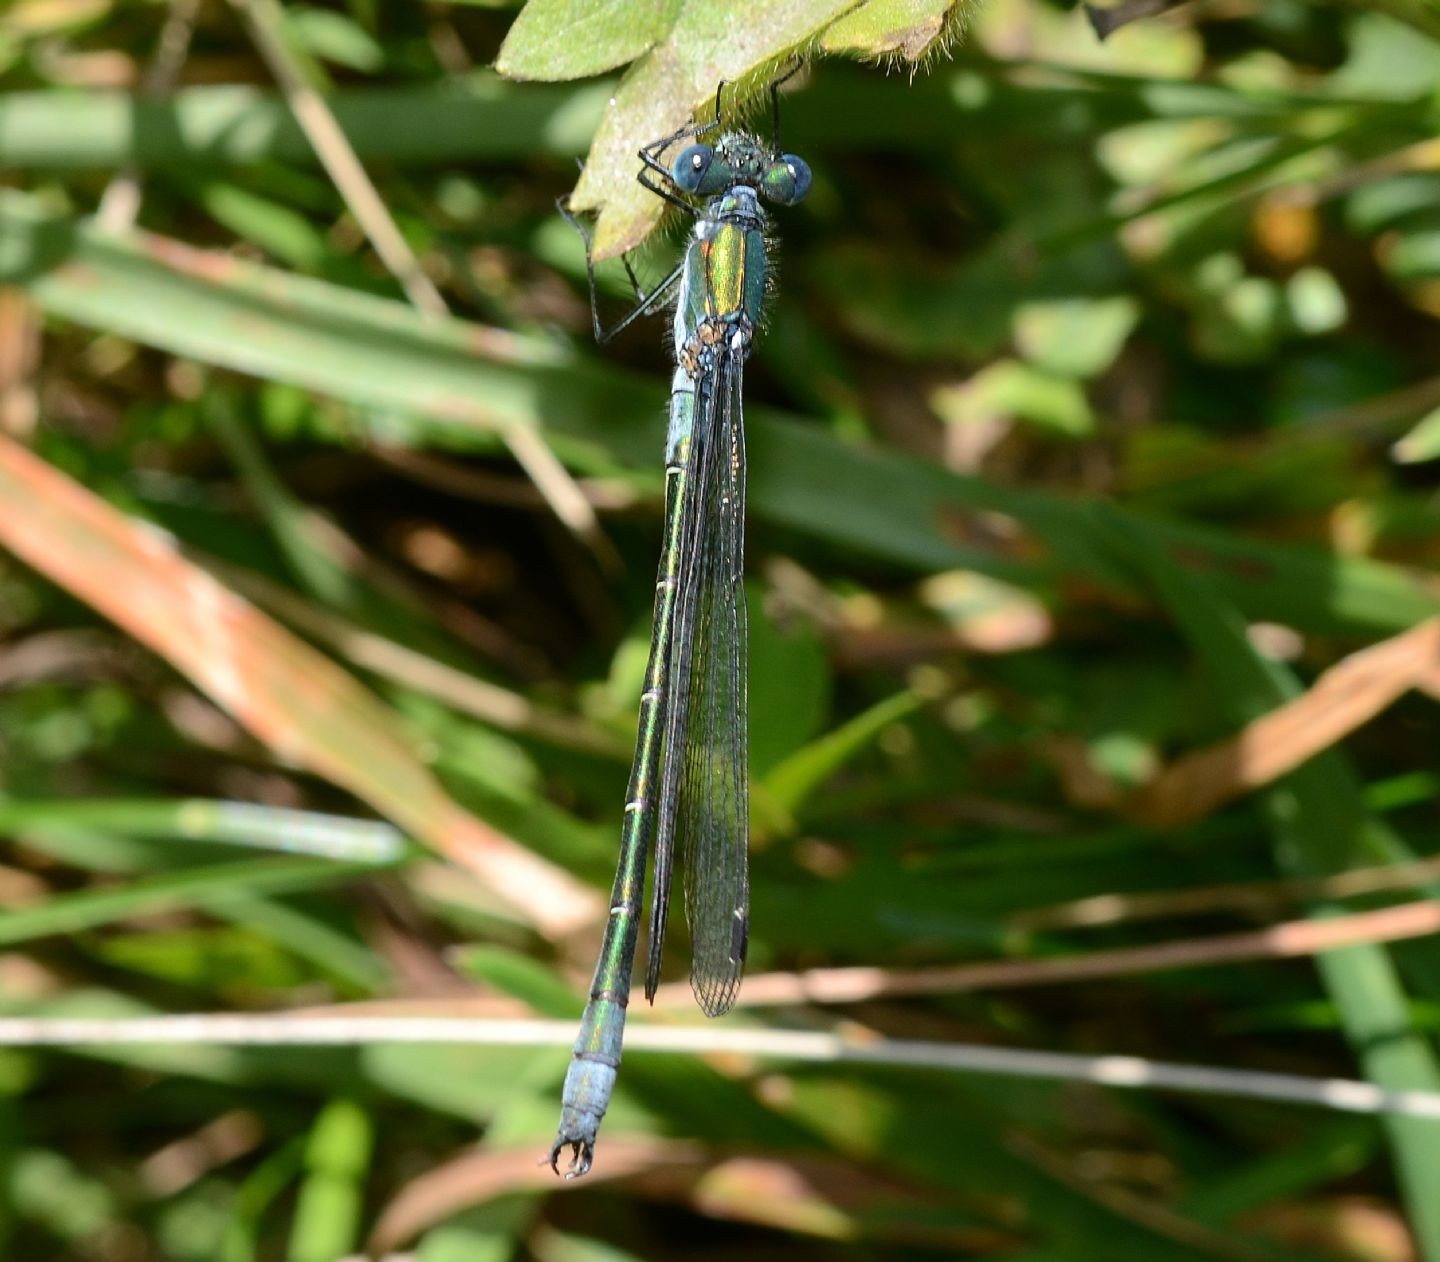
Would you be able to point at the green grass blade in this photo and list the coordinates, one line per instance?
(793, 782)
(195, 887)
(465, 379)
(471, 118)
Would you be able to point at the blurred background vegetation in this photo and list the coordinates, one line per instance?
(1097, 420)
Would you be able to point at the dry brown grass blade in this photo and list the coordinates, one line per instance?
(475, 1177)
(1245, 898)
(1282, 941)
(19, 355)
(824, 1197)
(296, 701)
(1348, 695)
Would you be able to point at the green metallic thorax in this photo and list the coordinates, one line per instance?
(725, 266)
(730, 279)
(722, 295)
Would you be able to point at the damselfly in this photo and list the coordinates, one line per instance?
(690, 777)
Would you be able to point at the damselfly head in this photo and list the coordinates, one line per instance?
(736, 158)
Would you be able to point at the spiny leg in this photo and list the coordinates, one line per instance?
(644, 302)
(775, 86)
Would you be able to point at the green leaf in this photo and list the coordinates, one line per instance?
(923, 307)
(1387, 203)
(283, 232)
(228, 961)
(905, 28)
(1415, 256)
(1009, 389)
(1387, 60)
(1315, 301)
(335, 37)
(1339, 1149)
(1075, 337)
(570, 39)
(208, 822)
(492, 1232)
(464, 1082)
(1422, 442)
(63, 1197)
(664, 90)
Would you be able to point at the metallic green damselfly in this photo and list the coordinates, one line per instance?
(690, 777)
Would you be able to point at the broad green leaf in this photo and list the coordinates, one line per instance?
(905, 28)
(1387, 59)
(570, 39)
(670, 85)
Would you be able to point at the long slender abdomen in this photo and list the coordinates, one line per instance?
(590, 1078)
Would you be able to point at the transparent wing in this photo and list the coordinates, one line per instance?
(705, 785)
(715, 782)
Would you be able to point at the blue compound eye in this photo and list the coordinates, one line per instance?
(696, 171)
(786, 181)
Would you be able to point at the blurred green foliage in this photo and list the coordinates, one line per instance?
(1097, 416)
